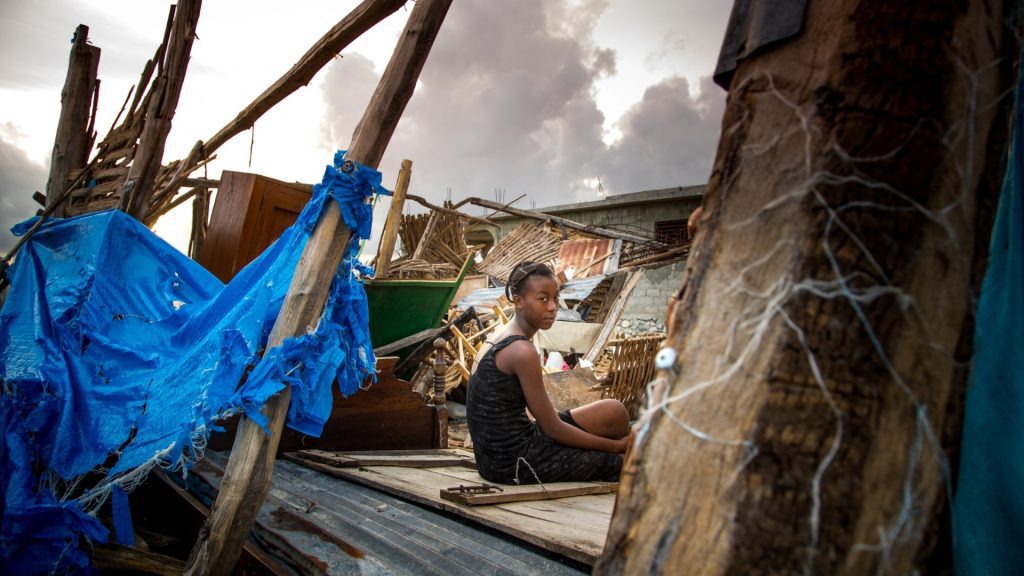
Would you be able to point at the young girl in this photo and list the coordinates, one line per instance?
(581, 444)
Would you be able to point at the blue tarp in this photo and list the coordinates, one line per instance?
(117, 353)
(989, 510)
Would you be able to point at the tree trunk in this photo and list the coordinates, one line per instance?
(74, 137)
(250, 468)
(137, 192)
(824, 325)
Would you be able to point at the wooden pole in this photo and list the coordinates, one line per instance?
(353, 25)
(137, 191)
(250, 467)
(823, 333)
(359, 20)
(73, 139)
(391, 225)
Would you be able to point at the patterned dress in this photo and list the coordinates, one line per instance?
(509, 448)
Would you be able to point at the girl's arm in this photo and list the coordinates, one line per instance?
(521, 358)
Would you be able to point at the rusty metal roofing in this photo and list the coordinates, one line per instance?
(585, 257)
(318, 524)
(484, 298)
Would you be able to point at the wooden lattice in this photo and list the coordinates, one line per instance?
(440, 256)
(527, 242)
(632, 367)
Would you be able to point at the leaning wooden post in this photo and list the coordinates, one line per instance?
(824, 326)
(137, 191)
(438, 400)
(250, 467)
(73, 140)
(394, 221)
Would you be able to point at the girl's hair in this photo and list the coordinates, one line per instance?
(522, 271)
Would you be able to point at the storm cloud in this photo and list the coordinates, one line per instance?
(19, 178)
(506, 101)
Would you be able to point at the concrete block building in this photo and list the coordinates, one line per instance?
(660, 214)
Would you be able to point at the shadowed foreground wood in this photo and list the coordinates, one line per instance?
(823, 332)
(247, 477)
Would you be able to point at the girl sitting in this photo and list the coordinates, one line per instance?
(581, 444)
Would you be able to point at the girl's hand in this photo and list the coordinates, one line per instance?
(625, 443)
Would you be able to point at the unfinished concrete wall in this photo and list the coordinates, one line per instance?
(645, 311)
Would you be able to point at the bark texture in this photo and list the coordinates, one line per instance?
(77, 111)
(826, 312)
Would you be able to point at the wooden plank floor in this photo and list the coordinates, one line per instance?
(575, 526)
(320, 524)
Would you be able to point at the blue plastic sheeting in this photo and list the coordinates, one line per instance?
(117, 353)
(989, 510)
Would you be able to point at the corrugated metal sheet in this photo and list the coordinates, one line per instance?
(581, 256)
(323, 525)
(576, 289)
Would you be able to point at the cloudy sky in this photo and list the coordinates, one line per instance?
(534, 97)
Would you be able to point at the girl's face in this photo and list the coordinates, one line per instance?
(538, 302)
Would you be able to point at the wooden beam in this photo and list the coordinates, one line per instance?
(422, 202)
(73, 139)
(611, 320)
(391, 225)
(533, 215)
(137, 191)
(822, 339)
(353, 25)
(465, 495)
(247, 476)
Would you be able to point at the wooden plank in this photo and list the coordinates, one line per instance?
(524, 494)
(612, 319)
(572, 526)
(401, 458)
(394, 220)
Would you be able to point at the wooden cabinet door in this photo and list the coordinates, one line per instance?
(280, 206)
(250, 213)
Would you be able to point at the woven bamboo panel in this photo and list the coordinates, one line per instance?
(444, 253)
(632, 367)
(527, 242)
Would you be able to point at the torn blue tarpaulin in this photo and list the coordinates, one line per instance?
(117, 353)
